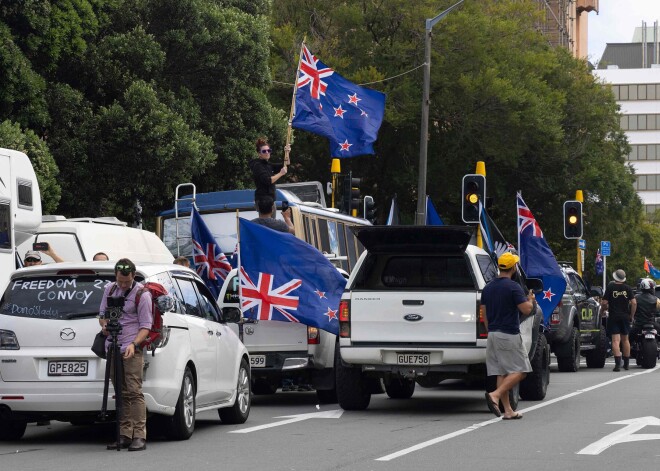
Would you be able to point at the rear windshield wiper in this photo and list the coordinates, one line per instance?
(80, 315)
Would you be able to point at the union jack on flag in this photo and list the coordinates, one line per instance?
(211, 264)
(526, 219)
(266, 300)
(311, 75)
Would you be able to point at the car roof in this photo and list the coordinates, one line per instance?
(144, 269)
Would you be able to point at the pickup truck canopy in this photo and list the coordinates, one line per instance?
(425, 239)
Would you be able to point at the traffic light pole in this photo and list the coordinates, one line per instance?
(579, 197)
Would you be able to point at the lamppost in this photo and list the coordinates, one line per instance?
(420, 216)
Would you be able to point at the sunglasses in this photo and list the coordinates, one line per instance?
(265, 151)
(124, 269)
(31, 260)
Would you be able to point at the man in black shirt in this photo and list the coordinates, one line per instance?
(262, 172)
(621, 304)
(648, 306)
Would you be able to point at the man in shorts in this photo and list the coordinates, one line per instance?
(504, 300)
(621, 304)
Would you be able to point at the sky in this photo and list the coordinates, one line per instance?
(616, 22)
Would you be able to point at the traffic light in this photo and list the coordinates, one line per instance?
(350, 194)
(573, 219)
(369, 212)
(474, 190)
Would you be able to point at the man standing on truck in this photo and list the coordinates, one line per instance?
(262, 172)
(504, 300)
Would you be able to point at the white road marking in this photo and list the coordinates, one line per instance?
(471, 428)
(626, 434)
(330, 414)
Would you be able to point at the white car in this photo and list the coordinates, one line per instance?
(48, 320)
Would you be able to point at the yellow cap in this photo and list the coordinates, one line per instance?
(507, 261)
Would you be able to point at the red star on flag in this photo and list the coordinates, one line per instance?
(339, 112)
(548, 295)
(331, 314)
(345, 146)
(321, 294)
(353, 99)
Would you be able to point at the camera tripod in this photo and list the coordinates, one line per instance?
(115, 363)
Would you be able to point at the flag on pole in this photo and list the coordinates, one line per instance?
(328, 104)
(599, 263)
(285, 279)
(648, 266)
(393, 217)
(432, 216)
(209, 261)
(495, 243)
(538, 261)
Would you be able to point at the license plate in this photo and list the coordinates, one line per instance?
(258, 361)
(649, 336)
(67, 368)
(413, 358)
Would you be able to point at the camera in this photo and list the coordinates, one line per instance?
(40, 246)
(285, 205)
(115, 307)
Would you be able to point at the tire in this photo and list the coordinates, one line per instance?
(182, 425)
(514, 394)
(239, 412)
(12, 429)
(571, 361)
(535, 385)
(400, 388)
(327, 396)
(649, 353)
(262, 387)
(596, 357)
(353, 391)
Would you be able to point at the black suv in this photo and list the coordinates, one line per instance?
(576, 326)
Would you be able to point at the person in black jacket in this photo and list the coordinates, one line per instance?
(262, 172)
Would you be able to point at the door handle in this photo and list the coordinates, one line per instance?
(218, 333)
(210, 332)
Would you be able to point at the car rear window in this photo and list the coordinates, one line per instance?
(415, 272)
(54, 297)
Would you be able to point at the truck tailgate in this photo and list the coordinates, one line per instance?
(424, 317)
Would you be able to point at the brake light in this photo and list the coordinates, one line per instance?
(8, 340)
(482, 332)
(555, 318)
(313, 336)
(344, 319)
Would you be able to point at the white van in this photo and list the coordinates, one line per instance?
(78, 239)
(20, 208)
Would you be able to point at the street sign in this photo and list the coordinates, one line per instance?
(605, 248)
(582, 244)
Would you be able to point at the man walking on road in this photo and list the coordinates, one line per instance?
(504, 300)
(619, 300)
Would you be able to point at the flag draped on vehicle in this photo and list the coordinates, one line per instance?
(328, 104)
(538, 261)
(209, 261)
(285, 279)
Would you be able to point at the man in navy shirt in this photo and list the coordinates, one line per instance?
(504, 300)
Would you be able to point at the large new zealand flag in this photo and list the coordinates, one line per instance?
(538, 261)
(328, 104)
(285, 279)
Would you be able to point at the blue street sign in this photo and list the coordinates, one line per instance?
(582, 244)
(605, 248)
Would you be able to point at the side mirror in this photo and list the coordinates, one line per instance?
(535, 284)
(165, 304)
(231, 314)
(596, 291)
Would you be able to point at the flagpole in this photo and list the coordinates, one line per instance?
(238, 265)
(518, 195)
(287, 160)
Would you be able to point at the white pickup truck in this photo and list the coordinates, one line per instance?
(281, 350)
(411, 314)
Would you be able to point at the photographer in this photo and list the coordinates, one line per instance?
(134, 322)
(265, 205)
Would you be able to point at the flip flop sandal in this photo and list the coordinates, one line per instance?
(492, 406)
(513, 417)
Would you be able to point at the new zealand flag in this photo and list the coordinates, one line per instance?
(538, 261)
(328, 104)
(211, 264)
(285, 279)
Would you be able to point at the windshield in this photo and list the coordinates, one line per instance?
(54, 297)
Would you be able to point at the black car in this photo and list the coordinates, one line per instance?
(576, 326)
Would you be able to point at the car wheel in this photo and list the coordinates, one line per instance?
(570, 359)
(327, 396)
(535, 385)
(239, 412)
(400, 388)
(182, 425)
(12, 429)
(262, 387)
(353, 392)
(596, 357)
(649, 353)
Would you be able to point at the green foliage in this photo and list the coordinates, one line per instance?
(26, 141)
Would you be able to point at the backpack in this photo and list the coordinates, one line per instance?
(156, 330)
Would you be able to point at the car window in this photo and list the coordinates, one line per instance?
(207, 306)
(189, 299)
(231, 294)
(576, 286)
(54, 297)
(487, 267)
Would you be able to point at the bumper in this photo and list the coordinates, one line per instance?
(440, 358)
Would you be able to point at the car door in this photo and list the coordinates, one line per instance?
(226, 347)
(202, 339)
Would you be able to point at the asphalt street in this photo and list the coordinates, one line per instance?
(590, 420)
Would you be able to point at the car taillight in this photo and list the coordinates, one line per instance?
(344, 319)
(313, 336)
(482, 332)
(555, 318)
(8, 340)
